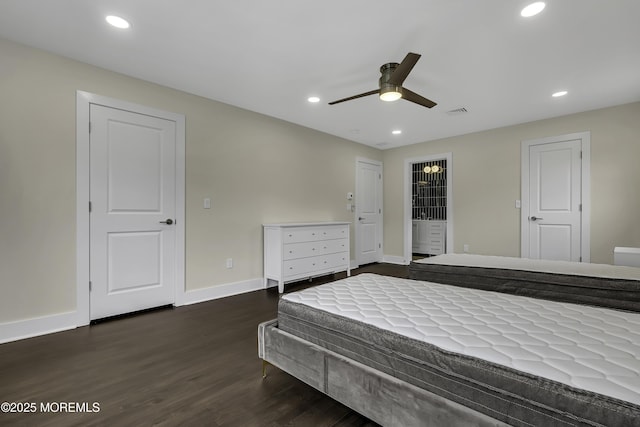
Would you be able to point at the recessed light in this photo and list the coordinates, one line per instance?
(560, 93)
(396, 132)
(532, 9)
(118, 22)
(313, 99)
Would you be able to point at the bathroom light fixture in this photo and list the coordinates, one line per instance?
(396, 132)
(532, 9)
(433, 169)
(118, 22)
(313, 99)
(560, 93)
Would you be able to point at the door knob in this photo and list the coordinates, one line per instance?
(535, 218)
(168, 221)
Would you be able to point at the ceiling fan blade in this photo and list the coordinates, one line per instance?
(355, 96)
(418, 99)
(403, 70)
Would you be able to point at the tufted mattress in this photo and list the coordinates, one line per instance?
(520, 360)
(584, 283)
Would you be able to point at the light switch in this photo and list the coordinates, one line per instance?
(518, 204)
(207, 203)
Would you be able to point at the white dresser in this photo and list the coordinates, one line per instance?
(429, 237)
(295, 251)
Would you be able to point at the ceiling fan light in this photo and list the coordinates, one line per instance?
(390, 94)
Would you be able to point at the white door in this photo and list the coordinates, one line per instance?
(133, 211)
(553, 220)
(368, 228)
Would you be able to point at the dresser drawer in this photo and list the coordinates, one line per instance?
(314, 234)
(307, 249)
(435, 241)
(309, 266)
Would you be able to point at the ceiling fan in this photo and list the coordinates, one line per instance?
(393, 75)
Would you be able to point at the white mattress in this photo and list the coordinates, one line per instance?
(590, 348)
(545, 266)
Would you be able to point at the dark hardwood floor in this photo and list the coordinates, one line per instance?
(195, 365)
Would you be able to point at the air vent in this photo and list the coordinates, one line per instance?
(457, 111)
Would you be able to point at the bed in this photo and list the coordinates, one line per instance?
(593, 284)
(414, 352)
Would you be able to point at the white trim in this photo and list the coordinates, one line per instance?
(221, 291)
(380, 250)
(585, 240)
(83, 102)
(21, 329)
(393, 259)
(407, 200)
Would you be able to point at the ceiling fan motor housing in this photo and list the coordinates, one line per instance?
(387, 70)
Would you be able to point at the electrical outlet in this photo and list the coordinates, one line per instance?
(229, 262)
(465, 248)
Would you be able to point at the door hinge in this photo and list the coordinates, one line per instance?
(90, 206)
(379, 211)
(89, 127)
(89, 285)
(380, 245)
(580, 207)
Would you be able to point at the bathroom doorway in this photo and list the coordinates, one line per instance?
(428, 206)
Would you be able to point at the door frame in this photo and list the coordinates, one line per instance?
(408, 167)
(585, 188)
(83, 103)
(356, 222)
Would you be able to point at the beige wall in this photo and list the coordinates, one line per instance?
(486, 182)
(254, 168)
(258, 169)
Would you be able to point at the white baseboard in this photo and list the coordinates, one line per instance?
(226, 290)
(18, 330)
(14, 331)
(392, 259)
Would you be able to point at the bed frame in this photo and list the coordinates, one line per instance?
(382, 398)
(389, 400)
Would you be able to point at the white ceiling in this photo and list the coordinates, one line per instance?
(269, 56)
